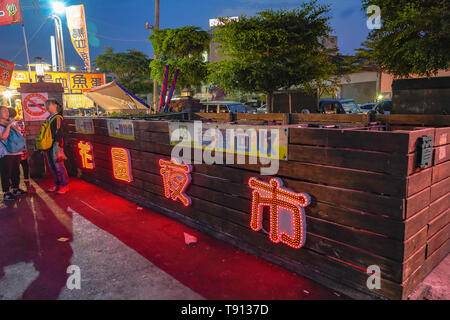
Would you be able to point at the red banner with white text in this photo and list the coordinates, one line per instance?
(10, 12)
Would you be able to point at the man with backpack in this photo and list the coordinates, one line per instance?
(50, 141)
(12, 145)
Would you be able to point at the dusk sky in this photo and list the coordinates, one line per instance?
(121, 23)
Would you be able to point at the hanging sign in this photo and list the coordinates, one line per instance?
(10, 12)
(34, 106)
(6, 72)
(76, 23)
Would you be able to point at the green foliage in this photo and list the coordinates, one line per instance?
(414, 37)
(180, 43)
(273, 50)
(131, 68)
(181, 48)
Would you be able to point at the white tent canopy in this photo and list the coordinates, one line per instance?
(113, 97)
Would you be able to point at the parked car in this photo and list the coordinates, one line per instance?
(262, 109)
(367, 107)
(223, 107)
(339, 106)
(383, 107)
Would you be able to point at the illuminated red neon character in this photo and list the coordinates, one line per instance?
(176, 179)
(87, 157)
(121, 162)
(287, 216)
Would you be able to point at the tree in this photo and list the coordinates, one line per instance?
(182, 49)
(273, 50)
(131, 68)
(414, 37)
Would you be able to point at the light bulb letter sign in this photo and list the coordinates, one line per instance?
(86, 153)
(121, 163)
(287, 214)
(176, 179)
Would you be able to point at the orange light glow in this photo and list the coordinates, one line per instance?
(280, 200)
(86, 153)
(121, 161)
(176, 179)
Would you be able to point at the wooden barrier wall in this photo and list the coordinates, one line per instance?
(370, 204)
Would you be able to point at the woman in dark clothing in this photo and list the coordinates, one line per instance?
(57, 167)
(9, 163)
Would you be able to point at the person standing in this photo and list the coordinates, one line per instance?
(56, 164)
(9, 162)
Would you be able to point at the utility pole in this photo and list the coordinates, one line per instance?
(155, 82)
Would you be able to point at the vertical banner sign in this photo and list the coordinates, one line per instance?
(76, 23)
(10, 12)
(162, 98)
(6, 72)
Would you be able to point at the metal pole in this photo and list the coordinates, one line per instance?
(28, 54)
(155, 82)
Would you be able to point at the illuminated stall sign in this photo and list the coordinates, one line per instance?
(176, 179)
(85, 126)
(123, 129)
(287, 216)
(86, 153)
(121, 163)
(269, 142)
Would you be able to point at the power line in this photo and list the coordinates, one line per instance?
(31, 39)
(115, 39)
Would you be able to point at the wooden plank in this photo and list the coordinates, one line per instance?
(413, 263)
(395, 164)
(153, 126)
(438, 223)
(440, 172)
(417, 120)
(417, 202)
(414, 243)
(331, 118)
(419, 181)
(341, 177)
(442, 136)
(438, 240)
(416, 223)
(440, 189)
(441, 154)
(390, 142)
(433, 260)
(439, 206)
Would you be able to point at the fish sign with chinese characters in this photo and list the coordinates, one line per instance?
(121, 163)
(86, 153)
(176, 179)
(287, 216)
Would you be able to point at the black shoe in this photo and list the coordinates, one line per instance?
(9, 197)
(18, 192)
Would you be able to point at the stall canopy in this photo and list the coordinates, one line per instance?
(113, 97)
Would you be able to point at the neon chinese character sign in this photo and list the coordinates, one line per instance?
(121, 162)
(287, 216)
(87, 158)
(176, 179)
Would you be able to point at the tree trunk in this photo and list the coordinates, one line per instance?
(269, 102)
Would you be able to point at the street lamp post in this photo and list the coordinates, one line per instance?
(58, 8)
(155, 82)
